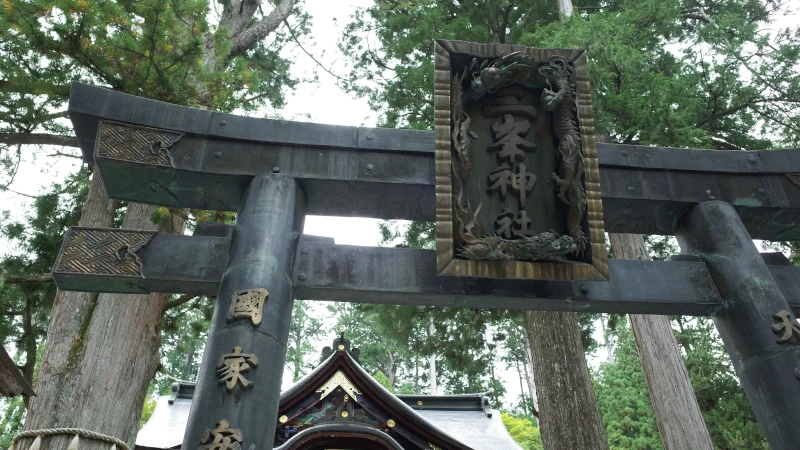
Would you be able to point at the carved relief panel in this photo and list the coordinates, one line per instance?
(517, 181)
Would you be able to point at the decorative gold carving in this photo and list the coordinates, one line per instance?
(283, 419)
(339, 379)
(345, 414)
(419, 402)
(794, 178)
(248, 303)
(231, 366)
(136, 144)
(340, 347)
(101, 251)
(788, 325)
(453, 157)
(390, 423)
(223, 437)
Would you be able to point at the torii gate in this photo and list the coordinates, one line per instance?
(273, 173)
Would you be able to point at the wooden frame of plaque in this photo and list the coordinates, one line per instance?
(505, 103)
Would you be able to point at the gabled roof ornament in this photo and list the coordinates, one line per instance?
(340, 344)
(339, 380)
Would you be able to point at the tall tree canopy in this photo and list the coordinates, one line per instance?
(673, 73)
(221, 55)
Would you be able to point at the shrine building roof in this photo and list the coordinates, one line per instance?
(12, 382)
(340, 397)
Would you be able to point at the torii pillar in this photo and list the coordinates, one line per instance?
(239, 382)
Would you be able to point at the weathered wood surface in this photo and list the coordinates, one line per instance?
(325, 271)
(568, 413)
(261, 251)
(12, 382)
(105, 346)
(680, 422)
(766, 367)
(389, 174)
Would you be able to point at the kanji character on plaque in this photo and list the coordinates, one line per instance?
(507, 133)
(523, 182)
(522, 223)
(518, 179)
(248, 303)
(502, 177)
(231, 366)
(223, 437)
(504, 222)
(510, 224)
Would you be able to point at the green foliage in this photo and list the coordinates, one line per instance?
(728, 416)
(523, 431)
(625, 403)
(178, 51)
(304, 331)
(659, 75)
(147, 410)
(11, 419)
(383, 380)
(415, 234)
(623, 399)
(151, 48)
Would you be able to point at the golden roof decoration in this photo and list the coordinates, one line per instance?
(339, 379)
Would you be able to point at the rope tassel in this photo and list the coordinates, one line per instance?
(73, 445)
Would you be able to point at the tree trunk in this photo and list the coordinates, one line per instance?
(568, 413)
(606, 341)
(528, 367)
(28, 340)
(431, 330)
(565, 7)
(102, 350)
(392, 370)
(677, 414)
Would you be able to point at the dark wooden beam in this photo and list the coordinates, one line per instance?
(325, 271)
(408, 277)
(389, 174)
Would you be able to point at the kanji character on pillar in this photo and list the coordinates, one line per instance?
(788, 325)
(223, 437)
(231, 366)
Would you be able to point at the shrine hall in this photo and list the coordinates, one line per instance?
(340, 406)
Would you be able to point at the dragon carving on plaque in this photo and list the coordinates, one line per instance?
(512, 239)
(517, 177)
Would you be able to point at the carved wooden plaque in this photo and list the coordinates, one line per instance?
(517, 177)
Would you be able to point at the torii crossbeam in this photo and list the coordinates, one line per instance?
(273, 173)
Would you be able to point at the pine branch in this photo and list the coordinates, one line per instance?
(297, 41)
(179, 301)
(245, 40)
(30, 279)
(38, 139)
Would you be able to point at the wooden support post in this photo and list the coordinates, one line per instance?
(750, 324)
(240, 377)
